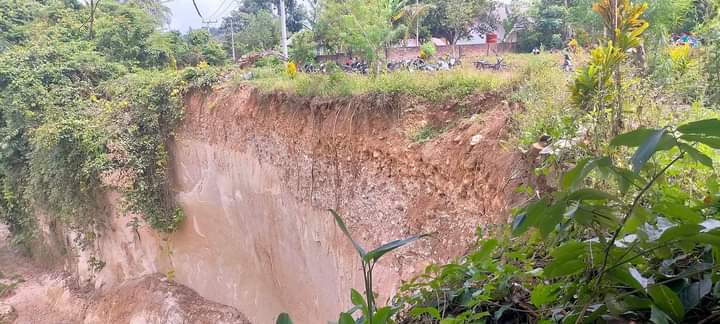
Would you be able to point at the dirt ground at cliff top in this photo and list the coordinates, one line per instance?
(37, 295)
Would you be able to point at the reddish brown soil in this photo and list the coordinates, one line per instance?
(355, 155)
(43, 295)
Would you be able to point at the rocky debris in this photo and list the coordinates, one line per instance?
(155, 299)
(475, 140)
(7, 313)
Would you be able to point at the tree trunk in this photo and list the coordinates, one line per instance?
(617, 109)
(91, 23)
(283, 30)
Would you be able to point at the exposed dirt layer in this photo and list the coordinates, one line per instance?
(154, 299)
(356, 155)
(256, 173)
(37, 295)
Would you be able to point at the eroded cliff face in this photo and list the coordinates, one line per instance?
(255, 174)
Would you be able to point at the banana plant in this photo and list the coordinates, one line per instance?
(367, 306)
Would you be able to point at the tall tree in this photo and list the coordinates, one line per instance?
(366, 27)
(295, 12)
(155, 8)
(254, 31)
(455, 20)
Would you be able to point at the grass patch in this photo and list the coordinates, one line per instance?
(542, 91)
(434, 86)
(424, 134)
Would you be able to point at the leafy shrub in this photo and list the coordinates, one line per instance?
(71, 115)
(444, 85)
(302, 49)
(427, 50)
(642, 249)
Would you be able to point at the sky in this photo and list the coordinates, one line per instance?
(184, 15)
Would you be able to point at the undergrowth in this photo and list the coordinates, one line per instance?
(82, 113)
(437, 86)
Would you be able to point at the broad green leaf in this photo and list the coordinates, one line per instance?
(713, 142)
(358, 300)
(693, 293)
(625, 178)
(568, 259)
(484, 252)
(553, 216)
(569, 250)
(529, 217)
(432, 311)
(637, 303)
(706, 238)
(679, 212)
(544, 294)
(575, 176)
(589, 194)
(696, 155)
(346, 318)
(646, 150)
(639, 136)
(382, 315)
(657, 316)
(283, 318)
(667, 301)
(639, 216)
(679, 231)
(344, 229)
(708, 127)
(632, 138)
(596, 214)
(376, 254)
(623, 275)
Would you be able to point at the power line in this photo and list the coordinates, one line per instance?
(197, 10)
(222, 13)
(217, 10)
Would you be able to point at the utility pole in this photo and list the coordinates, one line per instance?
(232, 37)
(207, 24)
(417, 24)
(283, 30)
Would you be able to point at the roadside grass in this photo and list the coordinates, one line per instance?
(543, 92)
(435, 86)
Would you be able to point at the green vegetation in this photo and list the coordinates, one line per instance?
(90, 95)
(366, 306)
(424, 134)
(83, 111)
(438, 86)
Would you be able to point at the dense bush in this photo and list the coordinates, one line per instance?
(78, 109)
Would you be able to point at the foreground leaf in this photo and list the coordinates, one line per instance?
(432, 311)
(713, 142)
(346, 318)
(646, 150)
(692, 294)
(544, 294)
(709, 127)
(283, 318)
(696, 155)
(344, 229)
(376, 254)
(667, 301)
